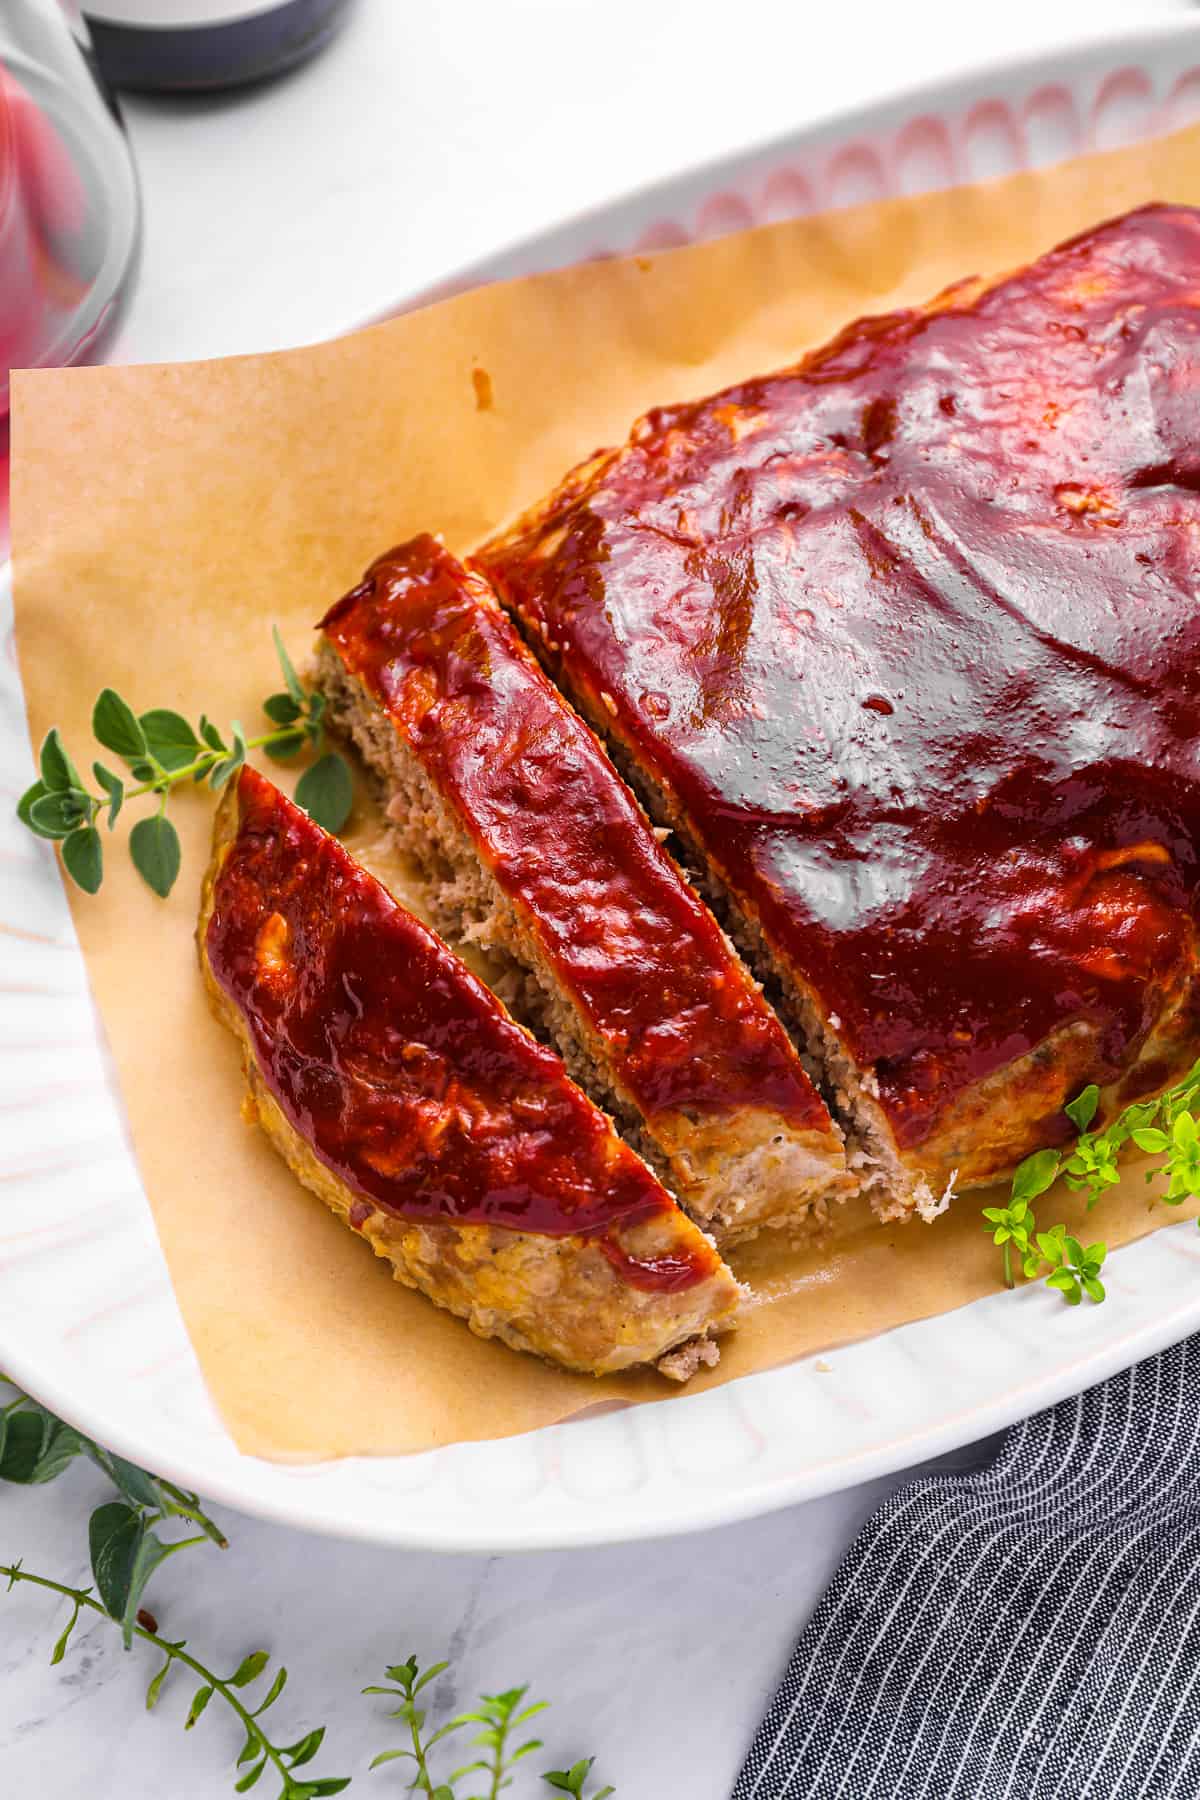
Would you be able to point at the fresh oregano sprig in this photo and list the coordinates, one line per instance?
(161, 750)
(1165, 1126)
(1074, 1271)
(498, 1717)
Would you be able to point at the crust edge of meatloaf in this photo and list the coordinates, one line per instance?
(733, 1178)
(557, 1298)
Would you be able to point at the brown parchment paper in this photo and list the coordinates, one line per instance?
(164, 517)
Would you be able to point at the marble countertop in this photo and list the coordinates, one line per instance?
(659, 1658)
(426, 137)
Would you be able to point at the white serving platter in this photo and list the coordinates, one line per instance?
(88, 1319)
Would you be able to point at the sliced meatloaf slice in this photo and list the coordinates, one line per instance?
(538, 848)
(398, 1089)
(903, 641)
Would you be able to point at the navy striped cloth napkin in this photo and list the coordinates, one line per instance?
(1028, 1632)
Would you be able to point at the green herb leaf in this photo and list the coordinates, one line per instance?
(115, 1533)
(83, 857)
(137, 1487)
(249, 1669)
(170, 737)
(58, 771)
(20, 1446)
(154, 847)
(251, 1747)
(291, 679)
(60, 1648)
(115, 725)
(248, 1780)
(276, 1688)
(1150, 1139)
(155, 1688)
(282, 709)
(56, 815)
(1082, 1109)
(326, 791)
(1035, 1174)
(1067, 1285)
(210, 734)
(37, 1447)
(568, 1781)
(26, 803)
(60, 1447)
(200, 1700)
(306, 1748)
(113, 786)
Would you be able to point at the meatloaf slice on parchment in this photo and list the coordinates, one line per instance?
(538, 849)
(398, 1089)
(904, 642)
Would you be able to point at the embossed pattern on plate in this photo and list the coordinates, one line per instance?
(88, 1319)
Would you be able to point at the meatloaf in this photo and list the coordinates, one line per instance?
(904, 642)
(537, 848)
(398, 1089)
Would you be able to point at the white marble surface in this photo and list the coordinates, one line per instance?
(659, 1658)
(428, 135)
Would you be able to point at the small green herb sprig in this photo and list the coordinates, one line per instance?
(258, 1749)
(1165, 1127)
(496, 1719)
(36, 1447)
(161, 750)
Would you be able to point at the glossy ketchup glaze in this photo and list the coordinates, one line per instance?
(398, 1068)
(911, 632)
(565, 839)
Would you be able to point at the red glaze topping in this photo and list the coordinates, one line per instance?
(563, 836)
(399, 1068)
(912, 632)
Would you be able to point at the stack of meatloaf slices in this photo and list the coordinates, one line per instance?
(898, 652)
